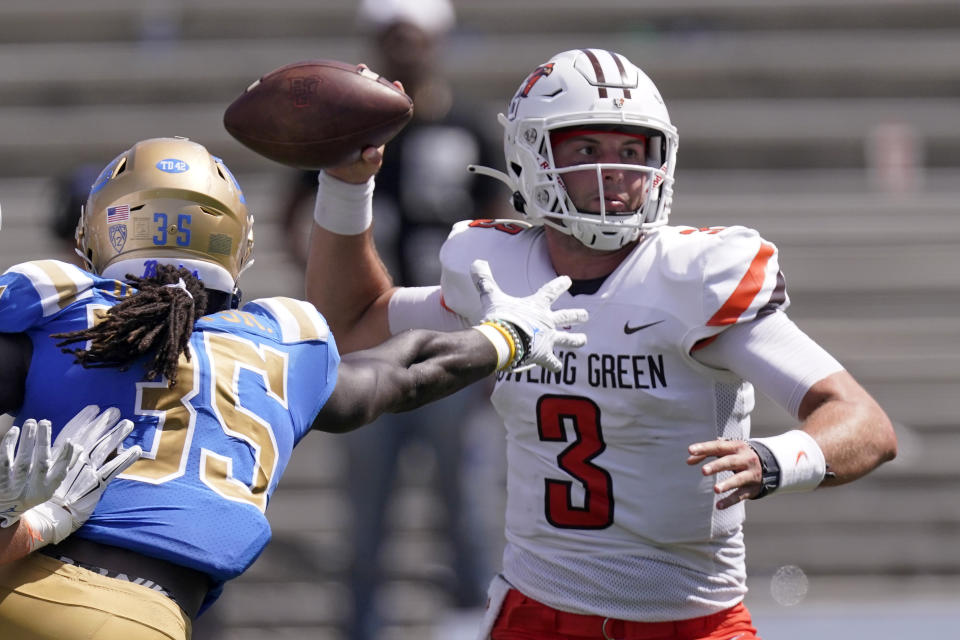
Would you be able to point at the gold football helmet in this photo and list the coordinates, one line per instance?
(167, 201)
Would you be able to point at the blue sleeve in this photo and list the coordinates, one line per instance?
(313, 352)
(32, 291)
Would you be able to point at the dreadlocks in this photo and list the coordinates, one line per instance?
(159, 318)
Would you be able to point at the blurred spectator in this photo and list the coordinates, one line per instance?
(423, 189)
(72, 190)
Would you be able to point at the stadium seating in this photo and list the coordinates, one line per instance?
(832, 127)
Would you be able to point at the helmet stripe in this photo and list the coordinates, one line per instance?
(598, 70)
(623, 73)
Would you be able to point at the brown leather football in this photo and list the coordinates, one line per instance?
(317, 113)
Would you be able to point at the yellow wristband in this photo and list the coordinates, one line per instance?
(501, 341)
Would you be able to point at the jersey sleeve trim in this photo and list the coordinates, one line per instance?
(747, 290)
(421, 308)
(299, 321)
(57, 283)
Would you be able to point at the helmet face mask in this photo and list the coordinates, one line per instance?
(594, 90)
(167, 201)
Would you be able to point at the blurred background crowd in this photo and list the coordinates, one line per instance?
(831, 127)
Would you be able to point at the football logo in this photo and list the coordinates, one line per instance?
(302, 90)
(540, 72)
(118, 236)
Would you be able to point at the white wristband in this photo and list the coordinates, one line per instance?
(49, 523)
(802, 464)
(499, 343)
(342, 207)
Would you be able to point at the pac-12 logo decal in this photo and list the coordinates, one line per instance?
(118, 236)
(540, 72)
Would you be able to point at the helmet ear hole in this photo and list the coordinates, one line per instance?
(519, 203)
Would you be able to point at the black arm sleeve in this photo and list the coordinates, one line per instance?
(408, 370)
(15, 353)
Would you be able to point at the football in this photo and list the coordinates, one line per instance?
(317, 113)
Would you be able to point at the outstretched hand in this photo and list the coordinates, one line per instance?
(533, 316)
(97, 436)
(30, 475)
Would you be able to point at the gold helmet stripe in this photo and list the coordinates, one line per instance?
(299, 321)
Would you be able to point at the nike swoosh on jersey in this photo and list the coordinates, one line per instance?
(627, 329)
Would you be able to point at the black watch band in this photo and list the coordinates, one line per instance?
(769, 468)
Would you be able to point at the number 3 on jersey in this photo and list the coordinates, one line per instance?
(557, 416)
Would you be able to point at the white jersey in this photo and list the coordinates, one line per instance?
(604, 516)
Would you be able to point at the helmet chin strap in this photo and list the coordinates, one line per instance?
(85, 259)
(593, 236)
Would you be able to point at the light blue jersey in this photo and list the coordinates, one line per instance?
(215, 444)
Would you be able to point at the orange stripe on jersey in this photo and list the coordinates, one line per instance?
(443, 303)
(2, 289)
(703, 342)
(746, 290)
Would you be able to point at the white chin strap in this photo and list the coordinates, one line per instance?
(592, 235)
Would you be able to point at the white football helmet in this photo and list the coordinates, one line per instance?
(598, 90)
(167, 201)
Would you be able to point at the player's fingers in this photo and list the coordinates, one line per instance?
(554, 289)
(42, 459)
(26, 450)
(734, 498)
(553, 364)
(66, 456)
(120, 463)
(77, 423)
(739, 480)
(110, 442)
(98, 430)
(372, 155)
(482, 277)
(695, 459)
(567, 317)
(7, 446)
(715, 447)
(565, 339)
(731, 462)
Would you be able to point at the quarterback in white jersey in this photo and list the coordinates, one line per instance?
(627, 469)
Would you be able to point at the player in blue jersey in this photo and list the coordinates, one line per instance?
(218, 396)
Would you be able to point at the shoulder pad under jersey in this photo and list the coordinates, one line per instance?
(470, 240)
(32, 291)
(739, 271)
(295, 320)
